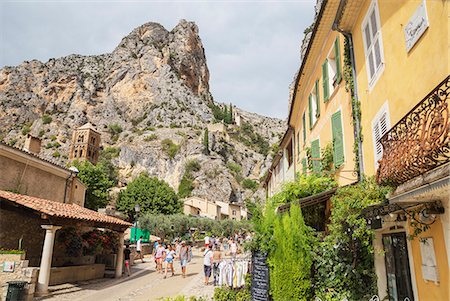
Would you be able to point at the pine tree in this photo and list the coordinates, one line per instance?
(206, 142)
(231, 113)
(225, 115)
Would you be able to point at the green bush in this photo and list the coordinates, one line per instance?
(234, 167)
(115, 130)
(56, 154)
(250, 184)
(46, 119)
(41, 133)
(12, 141)
(53, 137)
(151, 137)
(192, 166)
(25, 130)
(152, 194)
(170, 148)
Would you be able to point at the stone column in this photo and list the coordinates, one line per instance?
(119, 263)
(46, 259)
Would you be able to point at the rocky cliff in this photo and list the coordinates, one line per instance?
(152, 87)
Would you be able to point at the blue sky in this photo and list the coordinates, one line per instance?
(252, 47)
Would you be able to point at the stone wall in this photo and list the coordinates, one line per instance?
(21, 273)
(15, 226)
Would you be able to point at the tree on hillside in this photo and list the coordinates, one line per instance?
(225, 114)
(231, 113)
(152, 195)
(98, 182)
(206, 142)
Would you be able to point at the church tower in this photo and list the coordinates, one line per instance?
(85, 144)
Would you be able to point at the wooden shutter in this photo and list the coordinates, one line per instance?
(338, 139)
(304, 127)
(380, 128)
(337, 53)
(317, 99)
(325, 82)
(310, 112)
(304, 165)
(315, 154)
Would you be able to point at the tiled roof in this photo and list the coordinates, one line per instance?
(62, 210)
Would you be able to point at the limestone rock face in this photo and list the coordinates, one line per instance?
(154, 85)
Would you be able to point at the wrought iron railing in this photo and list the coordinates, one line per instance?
(420, 141)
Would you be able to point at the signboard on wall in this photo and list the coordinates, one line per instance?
(416, 26)
(429, 266)
(8, 266)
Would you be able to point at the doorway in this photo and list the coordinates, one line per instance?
(397, 267)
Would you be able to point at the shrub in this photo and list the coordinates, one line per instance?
(12, 141)
(151, 137)
(41, 133)
(234, 167)
(115, 130)
(192, 166)
(56, 154)
(25, 130)
(53, 137)
(170, 148)
(152, 194)
(46, 119)
(250, 184)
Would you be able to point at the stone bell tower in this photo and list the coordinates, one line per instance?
(85, 144)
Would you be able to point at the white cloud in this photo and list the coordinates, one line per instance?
(252, 48)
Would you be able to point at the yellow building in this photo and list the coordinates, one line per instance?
(401, 62)
(321, 109)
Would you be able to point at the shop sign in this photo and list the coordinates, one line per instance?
(416, 26)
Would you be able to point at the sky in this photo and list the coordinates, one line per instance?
(252, 47)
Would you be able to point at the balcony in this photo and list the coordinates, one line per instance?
(420, 141)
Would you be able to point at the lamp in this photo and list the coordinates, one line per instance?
(137, 208)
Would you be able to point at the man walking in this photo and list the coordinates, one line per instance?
(207, 263)
(139, 249)
(184, 256)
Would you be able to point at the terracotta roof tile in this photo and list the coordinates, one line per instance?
(62, 210)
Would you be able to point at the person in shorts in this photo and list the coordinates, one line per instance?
(139, 248)
(207, 263)
(183, 256)
(126, 255)
(159, 256)
(170, 256)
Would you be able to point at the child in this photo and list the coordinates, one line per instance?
(126, 253)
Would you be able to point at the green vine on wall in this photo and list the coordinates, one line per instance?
(356, 105)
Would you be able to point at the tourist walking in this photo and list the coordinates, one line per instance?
(155, 247)
(170, 255)
(139, 249)
(206, 241)
(126, 255)
(207, 262)
(159, 256)
(184, 257)
(233, 249)
(217, 257)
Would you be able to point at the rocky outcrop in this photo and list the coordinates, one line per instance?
(153, 86)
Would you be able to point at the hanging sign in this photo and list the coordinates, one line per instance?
(8, 266)
(416, 26)
(260, 277)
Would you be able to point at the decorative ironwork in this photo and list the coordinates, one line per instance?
(420, 141)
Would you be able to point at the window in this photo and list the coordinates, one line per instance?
(315, 156)
(233, 212)
(380, 126)
(289, 153)
(331, 71)
(373, 46)
(338, 139)
(314, 108)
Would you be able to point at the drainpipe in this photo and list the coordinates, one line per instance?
(357, 128)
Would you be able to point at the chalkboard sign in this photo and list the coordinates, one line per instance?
(260, 277)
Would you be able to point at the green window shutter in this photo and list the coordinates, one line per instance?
(338, 139)
(304, 165)
(310, 112)
(304, 127)
(317, 99)
(325, 83)
(337, 53)
(315, 154)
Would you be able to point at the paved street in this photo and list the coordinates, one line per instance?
(144, 284)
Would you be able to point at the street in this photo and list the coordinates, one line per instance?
(144, 284)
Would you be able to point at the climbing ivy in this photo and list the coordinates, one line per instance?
(356, 105)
